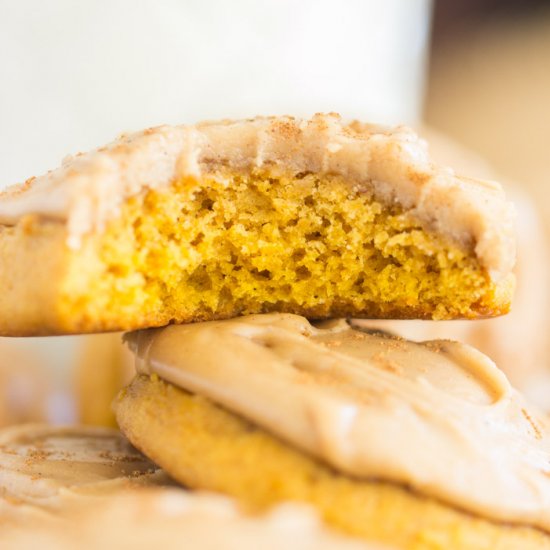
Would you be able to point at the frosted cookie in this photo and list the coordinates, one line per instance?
(171, 519)
(418, 445)
(44, 465)
(191, 223)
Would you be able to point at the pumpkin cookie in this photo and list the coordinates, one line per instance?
(417, 445)
(314, 217)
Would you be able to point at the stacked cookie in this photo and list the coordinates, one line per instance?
(216, 243)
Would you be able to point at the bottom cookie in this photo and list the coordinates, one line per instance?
(204, 446)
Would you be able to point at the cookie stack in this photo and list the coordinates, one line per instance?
(239, 254)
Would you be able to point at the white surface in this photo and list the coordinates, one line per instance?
(75, 74)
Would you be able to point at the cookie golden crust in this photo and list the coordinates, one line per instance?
(314, 217)
(207, 447)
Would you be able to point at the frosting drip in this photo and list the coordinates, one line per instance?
(436, 416)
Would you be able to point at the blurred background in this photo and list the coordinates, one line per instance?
(472, 76)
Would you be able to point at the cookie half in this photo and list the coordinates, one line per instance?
(188, 223)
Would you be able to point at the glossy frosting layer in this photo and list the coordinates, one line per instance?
(392, 164)
(436, 416)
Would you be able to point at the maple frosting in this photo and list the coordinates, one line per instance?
(435, 416)
(392, 164)
(43, 465)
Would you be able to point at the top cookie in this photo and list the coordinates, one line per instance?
(315, 217)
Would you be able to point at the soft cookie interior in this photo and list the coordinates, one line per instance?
(236, 244)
